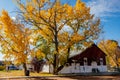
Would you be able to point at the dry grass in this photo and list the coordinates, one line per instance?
(20, 73)
(11, 73)
(46, 76)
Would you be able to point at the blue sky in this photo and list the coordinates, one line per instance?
(109, 13)
(107, 10)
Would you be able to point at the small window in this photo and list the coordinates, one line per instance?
(85, 58)
(101, 59)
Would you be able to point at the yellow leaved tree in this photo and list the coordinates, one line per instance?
(14, 40)
(64, 27)
(112, 49)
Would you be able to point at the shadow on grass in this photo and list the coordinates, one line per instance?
(69, 78)
(28, 78)
(90, 76)
(94, 76)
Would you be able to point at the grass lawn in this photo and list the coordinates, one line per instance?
(21, 73)
(50, 76)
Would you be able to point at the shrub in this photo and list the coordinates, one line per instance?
(2, 68)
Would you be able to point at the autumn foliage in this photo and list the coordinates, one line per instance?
(13, 40)
(112, 49)
(56, 30)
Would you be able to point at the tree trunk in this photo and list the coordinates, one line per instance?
(26, 73)
(68, 53)
(56, 62)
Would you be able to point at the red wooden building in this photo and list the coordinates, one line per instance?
(93, 59)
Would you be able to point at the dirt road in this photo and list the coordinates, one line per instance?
(65, 78)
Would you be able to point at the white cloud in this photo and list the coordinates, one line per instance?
(104, 8)
(13, 18)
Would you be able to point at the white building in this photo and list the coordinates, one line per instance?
(90, 60)
(93, 59)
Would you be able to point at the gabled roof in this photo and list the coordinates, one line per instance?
(91, 52)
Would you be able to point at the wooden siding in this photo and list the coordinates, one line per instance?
(93, 53)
